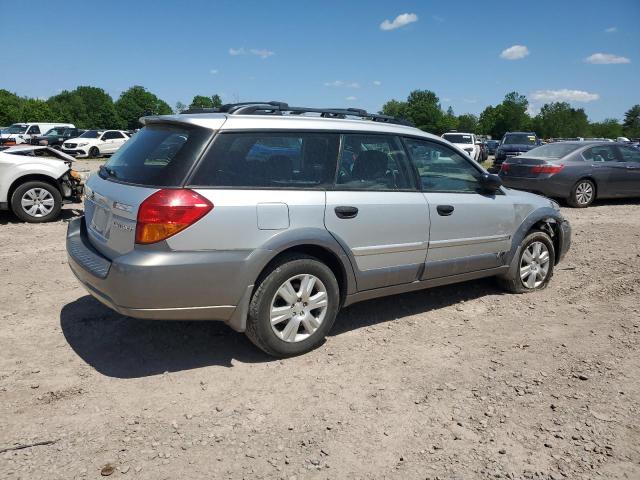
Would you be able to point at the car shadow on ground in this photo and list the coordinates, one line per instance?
(66, 214)
(122, 347)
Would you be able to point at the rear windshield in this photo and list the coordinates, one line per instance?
(157, 156)
(553, 150)
(457, 138)
(519, 139)
(269, 160)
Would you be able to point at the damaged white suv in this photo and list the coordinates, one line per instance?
(35, 181)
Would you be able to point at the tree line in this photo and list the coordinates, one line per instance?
(92, 107)
(555, 119)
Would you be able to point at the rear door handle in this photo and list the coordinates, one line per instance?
(346, 212)
(445, 210)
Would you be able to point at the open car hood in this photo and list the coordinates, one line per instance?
(40, 152)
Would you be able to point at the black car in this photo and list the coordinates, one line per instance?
(578, 172)
(492, 145)
(54, 137)
(514, 144)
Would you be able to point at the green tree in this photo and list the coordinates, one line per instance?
(35, 110)
(608, 128)
(138, 102)
(448, 122)
(631, 124)
(560, 120)
(395, 108)
(487, 121)
(468, 123)
(200, 101)
(422, 108)
(511, 115)
(10, 108)
(180, 107)
(85, 107)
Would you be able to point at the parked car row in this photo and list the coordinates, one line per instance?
(24, 132)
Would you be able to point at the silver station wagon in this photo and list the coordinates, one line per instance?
(271, 218)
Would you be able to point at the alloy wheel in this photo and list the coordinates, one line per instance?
(584, 193)
(298, 308)
(37, 202)
(534, 265)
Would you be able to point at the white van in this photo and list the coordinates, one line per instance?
(23, 132)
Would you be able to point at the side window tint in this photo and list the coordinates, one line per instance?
(441, 169)
(630, 154)
(34, 130)
(373, 162)
(601, 154)
(271, 160)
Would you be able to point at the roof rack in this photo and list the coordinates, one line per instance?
(281, 108)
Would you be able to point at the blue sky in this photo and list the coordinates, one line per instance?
(330, 53)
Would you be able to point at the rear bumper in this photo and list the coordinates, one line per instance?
(162, 285)
(545, 186)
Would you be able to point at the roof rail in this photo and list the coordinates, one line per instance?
(282, 108)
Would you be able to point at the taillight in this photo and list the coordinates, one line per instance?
(547, 168)
(168, 212)
(505, 167)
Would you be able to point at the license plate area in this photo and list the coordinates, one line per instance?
(100, 220)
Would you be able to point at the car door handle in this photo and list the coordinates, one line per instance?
(346, 212)
(445, 210)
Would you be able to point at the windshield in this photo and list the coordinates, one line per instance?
(492, 143)
(57, 131)
(457, 138)
(553, 150)
(158, 156)
(90, 134)
(15, 128)
(519, 139)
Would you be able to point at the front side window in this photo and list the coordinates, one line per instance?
(269, 160)
(601, 154)
(441, 169)
(158, 156)
(373, 162)
(34, 130)
(630, 154)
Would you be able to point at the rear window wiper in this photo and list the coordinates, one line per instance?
(108, 171)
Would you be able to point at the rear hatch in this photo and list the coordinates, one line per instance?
(159, 156)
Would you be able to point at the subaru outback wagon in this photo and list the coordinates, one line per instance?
(271, 218)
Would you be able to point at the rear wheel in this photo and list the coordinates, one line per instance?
(94, 152)
(532, 269)
(583, 194)
(36, 202)
(293, 307)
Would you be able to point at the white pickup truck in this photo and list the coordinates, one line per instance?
(35, 181)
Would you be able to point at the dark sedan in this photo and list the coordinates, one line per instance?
(578, 172)
(492, 146)
(56, 136)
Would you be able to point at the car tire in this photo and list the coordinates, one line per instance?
(94, 152)
(531, 254)
(36, 202)
(281, 320)
(583, 193)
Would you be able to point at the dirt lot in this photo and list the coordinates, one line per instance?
(459, 382)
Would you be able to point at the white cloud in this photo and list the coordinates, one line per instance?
(564, 95)
(515, 52)
(611, 30)
(260, 52)
(400, 21)
(606, 59)
(377, 83)
(341, 83)
(213, 71)
(351, 98)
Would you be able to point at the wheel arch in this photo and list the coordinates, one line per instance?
(547, 220)
(31, 177)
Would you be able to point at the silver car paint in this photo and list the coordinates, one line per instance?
(209, 269)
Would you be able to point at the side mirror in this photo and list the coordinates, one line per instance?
(490, 182)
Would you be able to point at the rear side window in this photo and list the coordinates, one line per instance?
(157, 156)
(604, 153)
(269, 160)
(373, 162)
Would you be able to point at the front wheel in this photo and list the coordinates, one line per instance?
(36, 202)
(94, 152)
(532, 268)
(293, 307)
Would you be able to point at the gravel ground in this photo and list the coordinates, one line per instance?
(458, 382)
